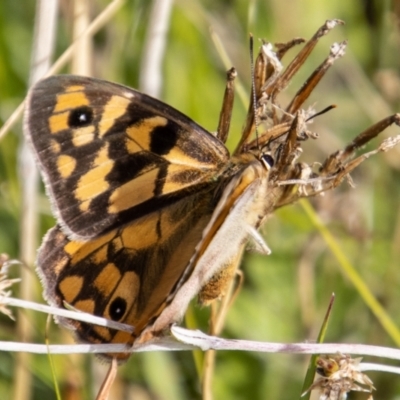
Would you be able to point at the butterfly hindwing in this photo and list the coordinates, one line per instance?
(127, 274)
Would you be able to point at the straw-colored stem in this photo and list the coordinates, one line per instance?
(46, 17)
(82, 57)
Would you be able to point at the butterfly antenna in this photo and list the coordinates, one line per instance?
(253, 86)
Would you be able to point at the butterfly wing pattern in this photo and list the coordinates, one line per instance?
(109, 154)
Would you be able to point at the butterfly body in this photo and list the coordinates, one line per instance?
(150, 206)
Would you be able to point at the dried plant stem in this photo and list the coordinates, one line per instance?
(105, 388)
(46, 17)
(217, 320)
(154, 48)
(82, 56)
(65, 313)
(187, 340)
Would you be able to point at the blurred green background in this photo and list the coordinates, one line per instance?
(285, 295)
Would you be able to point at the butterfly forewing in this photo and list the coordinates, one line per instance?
(110, 154)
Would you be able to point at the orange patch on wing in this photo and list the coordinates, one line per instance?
(71, 248)
(128, 289)
(94, 181)
(66, 165)
(70, 287)
(173, 183)
(115, 108)
(100, 255)
(70, 100)
(58, 122)
(58, 266)
(134, 192)
(103, 332)
(55, 146)
(78, 251)
(108, 279)
(141, 234)
(179, 157)
(82, 136)
(139, 135)
(123, 337)
(85, 305)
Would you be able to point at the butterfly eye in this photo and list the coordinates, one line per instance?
(268, 161)
(82, 116)
(117, 308)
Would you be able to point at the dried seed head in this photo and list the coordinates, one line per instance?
(5, 282)
(340, 375)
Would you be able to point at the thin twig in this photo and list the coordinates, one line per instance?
(61, 312)
(190, 340)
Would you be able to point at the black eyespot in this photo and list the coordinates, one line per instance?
(267, 160)
(82, 116)
(163, 139)
(117, 308)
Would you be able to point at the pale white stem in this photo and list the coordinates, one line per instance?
(154, 48)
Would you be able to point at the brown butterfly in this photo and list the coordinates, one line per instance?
(135, 186)
(151, 208)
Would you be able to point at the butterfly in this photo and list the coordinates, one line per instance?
(142, 196)
(151, 208)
